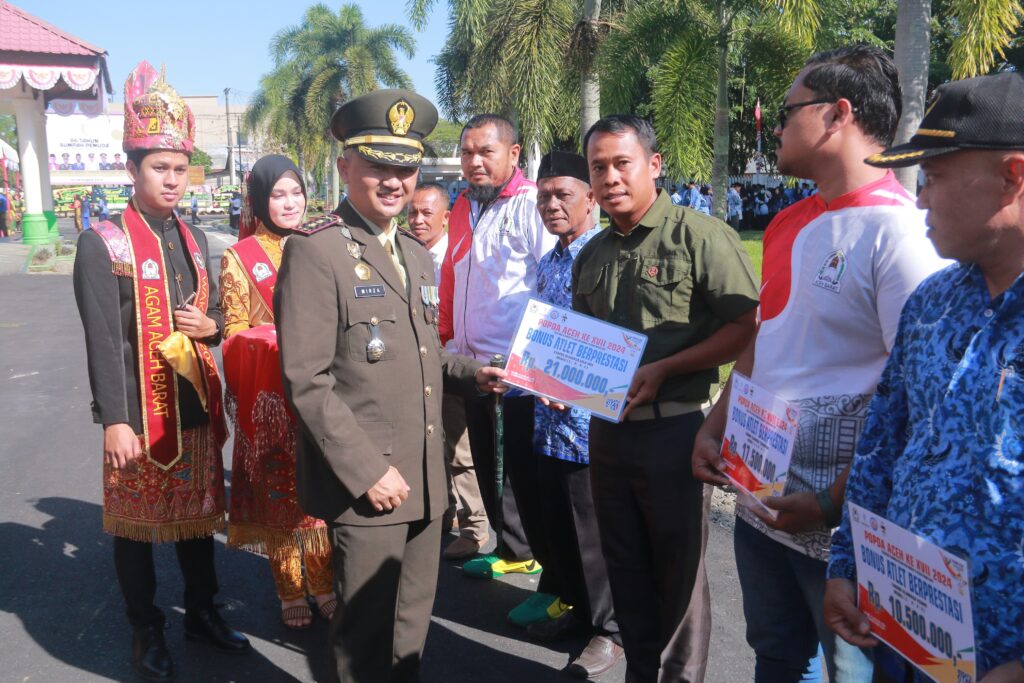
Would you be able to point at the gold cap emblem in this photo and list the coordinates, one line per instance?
(400, 117)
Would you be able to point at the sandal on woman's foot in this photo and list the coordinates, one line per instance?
(299, 613)
(327, 608)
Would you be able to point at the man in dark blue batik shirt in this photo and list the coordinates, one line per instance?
(942, 451)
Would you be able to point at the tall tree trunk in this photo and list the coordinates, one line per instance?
(302, 165)
(720, 162)
(913, 47)
(533, 155)
(335, 184)
(590, 81)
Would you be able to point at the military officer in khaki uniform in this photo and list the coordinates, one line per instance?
(356, 305)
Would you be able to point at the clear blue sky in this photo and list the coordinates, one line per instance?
(210, 45)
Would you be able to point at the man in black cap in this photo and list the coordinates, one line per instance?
(941, 453)
(356, 305)
(575, 568)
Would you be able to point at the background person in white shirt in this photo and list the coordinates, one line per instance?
(428, 221)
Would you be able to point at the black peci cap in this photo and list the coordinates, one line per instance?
(975, 113)
(386, 126)
(557, 164)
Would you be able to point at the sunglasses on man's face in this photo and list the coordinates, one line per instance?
(786, 108)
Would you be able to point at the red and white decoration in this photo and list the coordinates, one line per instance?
(45, 77)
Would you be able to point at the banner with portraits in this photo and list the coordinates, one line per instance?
(86, 150)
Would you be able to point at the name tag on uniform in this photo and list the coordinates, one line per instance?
(364, 291)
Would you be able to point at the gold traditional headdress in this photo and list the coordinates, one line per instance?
(155, 116)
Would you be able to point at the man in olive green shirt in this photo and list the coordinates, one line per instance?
(683, 279)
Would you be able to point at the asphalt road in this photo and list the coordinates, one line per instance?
(61, 613)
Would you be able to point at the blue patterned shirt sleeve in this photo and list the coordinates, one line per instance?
(881, 442)
(942, 453)
(561, 435)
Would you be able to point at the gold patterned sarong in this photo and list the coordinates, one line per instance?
(144, 502)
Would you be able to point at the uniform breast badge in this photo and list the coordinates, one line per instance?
(375, 348)
(362, 271)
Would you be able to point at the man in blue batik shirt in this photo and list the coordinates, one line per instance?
(676, 197)
(566, 203)
(942, 452)
(693, 199)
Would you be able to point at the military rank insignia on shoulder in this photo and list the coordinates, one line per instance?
(414, 238)
(314, 225)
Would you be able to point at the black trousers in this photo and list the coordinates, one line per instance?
(522, 531)
(136, 575)
(575, 565)
(653, 525)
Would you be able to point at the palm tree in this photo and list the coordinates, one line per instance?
(984, 29)
(524, 59)
(324, 61)
(679, 57)
(587, 40)
(277, 110)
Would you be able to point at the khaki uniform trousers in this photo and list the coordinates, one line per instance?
(464, 500)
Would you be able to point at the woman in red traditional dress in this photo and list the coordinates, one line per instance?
(265, 515)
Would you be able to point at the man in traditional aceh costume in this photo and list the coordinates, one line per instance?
(265, 512)
(150, 313)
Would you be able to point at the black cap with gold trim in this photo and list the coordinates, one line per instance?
(386, 126)
(975, 113)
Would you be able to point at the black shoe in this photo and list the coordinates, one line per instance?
(566, 626)
(150, 657)
(208, 626)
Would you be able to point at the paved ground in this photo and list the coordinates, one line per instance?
(61, 614)
(12, 255)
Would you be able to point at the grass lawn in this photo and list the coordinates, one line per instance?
(752, 243)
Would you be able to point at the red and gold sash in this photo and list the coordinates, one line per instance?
(158, 383)
(258, 267)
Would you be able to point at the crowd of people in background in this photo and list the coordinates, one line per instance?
(749, 206)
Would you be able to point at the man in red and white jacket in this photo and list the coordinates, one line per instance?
(495, 240)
